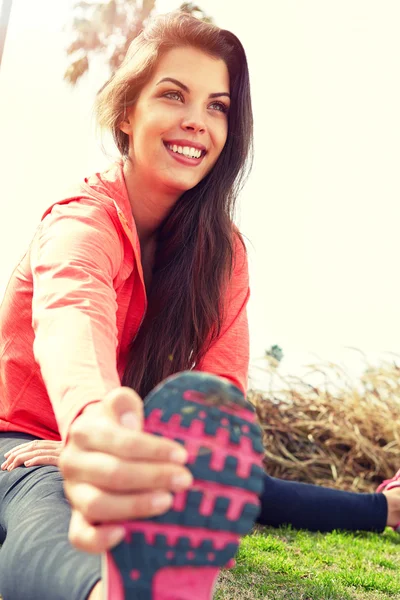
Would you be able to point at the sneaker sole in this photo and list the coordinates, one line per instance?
(389, 484)
(178, 555)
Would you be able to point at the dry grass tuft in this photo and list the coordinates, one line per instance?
(337, 434)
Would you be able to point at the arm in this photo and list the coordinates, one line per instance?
(112, 470)
(228, 356)
(75, 256)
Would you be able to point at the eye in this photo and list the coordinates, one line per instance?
(173, 95)
(220, 107)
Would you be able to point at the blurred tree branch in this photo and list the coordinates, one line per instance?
(107, 28)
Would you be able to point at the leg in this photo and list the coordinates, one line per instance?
(318, 508)
(36, 559)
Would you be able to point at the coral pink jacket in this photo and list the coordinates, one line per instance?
(75, 302)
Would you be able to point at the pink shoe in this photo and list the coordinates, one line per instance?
(178, 555)
(389, 484)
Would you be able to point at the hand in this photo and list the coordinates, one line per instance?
(32, 454)
(113, 471)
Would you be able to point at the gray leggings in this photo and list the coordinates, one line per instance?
(36, 560)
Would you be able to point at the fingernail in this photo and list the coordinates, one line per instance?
(4, 464)
(179, 455)
(130, 420)
(27, 463)
(183, 480)
(7, 454)
(161, 501)
(116, 536)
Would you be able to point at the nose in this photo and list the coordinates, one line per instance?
(193, 124)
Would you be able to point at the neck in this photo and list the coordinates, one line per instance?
(150, 206)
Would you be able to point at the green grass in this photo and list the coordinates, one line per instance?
(286, 564)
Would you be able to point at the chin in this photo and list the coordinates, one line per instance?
(181, 186)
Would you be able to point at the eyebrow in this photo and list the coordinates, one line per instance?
(186, 89)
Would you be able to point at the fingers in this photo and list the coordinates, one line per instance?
(114, 426)
(111, 473)
(125, 406)
(125, 443)
(96, 506)
(41, 452)
(22, 447)
(91, 538)
(34, 444)
(41, 460)
(30, 459)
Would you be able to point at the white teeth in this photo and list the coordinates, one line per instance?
(185, 150)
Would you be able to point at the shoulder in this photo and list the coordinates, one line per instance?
(82, 206)
(82, 225)
(83, 215)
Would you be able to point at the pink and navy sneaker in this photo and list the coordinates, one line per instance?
(178, 555)
(389, 484)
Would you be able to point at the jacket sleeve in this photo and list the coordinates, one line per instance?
(75, 256)
(228, 356)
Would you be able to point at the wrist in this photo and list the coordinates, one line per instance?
(90, 407)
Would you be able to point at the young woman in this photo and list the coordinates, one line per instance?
(138, 279)
(139, 276)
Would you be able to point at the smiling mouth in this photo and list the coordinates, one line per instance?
(186, 154)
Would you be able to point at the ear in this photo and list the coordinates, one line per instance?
(126, 126)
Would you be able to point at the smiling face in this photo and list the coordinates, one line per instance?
(179, 124)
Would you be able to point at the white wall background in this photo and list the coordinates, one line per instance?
(321, 209)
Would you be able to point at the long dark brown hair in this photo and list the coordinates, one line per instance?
(195, 251)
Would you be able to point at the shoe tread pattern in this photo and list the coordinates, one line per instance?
(227, 465)
(148, 559)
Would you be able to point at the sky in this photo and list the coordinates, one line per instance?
(321, 209)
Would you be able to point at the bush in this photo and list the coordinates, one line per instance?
(337, 434)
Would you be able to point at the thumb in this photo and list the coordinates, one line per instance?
(125, 407)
